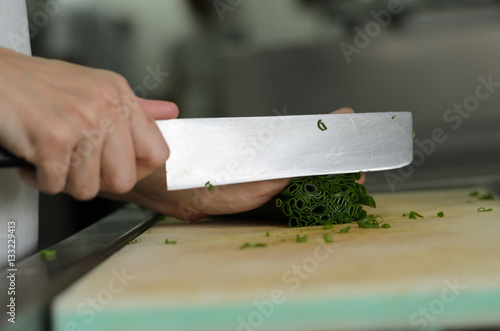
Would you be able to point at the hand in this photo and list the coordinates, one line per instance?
(198, 203)
(83, 129)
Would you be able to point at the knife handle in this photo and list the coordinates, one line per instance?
(8, 160)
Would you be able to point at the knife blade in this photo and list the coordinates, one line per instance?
(244, 149)
(231, 150)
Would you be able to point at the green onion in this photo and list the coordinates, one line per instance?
(267, 233)
(170, 242)
(393, 117)
(328, 226)
(412, 215)
(209, 186)
(136, 241)
(283, 240)
(370, 222)
(413, 137)
(487, 196)
(322, 125)
(302, 239)
(324, 200)
(328, 238)
(440, 214)
(473, 193)
(385, 226)
(252, 245)
(48, 254)
(482, 209)
(345, 230)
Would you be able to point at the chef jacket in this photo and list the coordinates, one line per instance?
(18, 201)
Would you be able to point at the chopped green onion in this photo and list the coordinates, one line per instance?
(267, 233)
(473, 193)
(345, 230)
(209, 186)
(324, 200)
(302, 239)
(48, 254)
(136, 241)
(328, 238)
(482, 209)
(170, 242)
(370, 222)
(413, 137)
(385, 226)
(412, 215)
(252, 245)
(440, 214)
(283, 240)
(393, 117)
(328, 226)
(322, 125)
(487, 196)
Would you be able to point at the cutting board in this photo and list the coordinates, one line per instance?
(426, 273)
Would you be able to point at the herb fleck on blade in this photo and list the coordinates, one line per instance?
(321, 125)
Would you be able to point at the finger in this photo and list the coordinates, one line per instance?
(48, 179)
(159, 110)
(50, 174)
(344, 110)
(118, 164)
(151, 150)
(83, 178)
(362, 179)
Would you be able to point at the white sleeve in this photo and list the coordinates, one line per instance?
(18, 201)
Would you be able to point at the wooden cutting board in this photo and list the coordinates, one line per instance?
(430, 272)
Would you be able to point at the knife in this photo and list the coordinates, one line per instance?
(220, 151)
(229, 150)
(9, 160)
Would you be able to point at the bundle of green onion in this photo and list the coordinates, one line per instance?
(320, 200)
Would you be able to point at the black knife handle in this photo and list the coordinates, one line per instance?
(8, 160)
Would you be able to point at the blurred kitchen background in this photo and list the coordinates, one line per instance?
(260, 57)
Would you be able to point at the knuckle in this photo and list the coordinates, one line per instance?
(51, 187)
(115, 83)
(57, 138)
(157, 157)
(120, 184)
(85, 192)
(114, 94)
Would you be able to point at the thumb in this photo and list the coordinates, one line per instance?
(159, 110)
